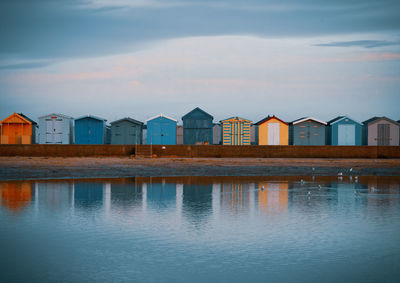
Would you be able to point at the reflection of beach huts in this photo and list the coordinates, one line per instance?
(197, 127)
(217, 133)
(272, 131)
(307, 131)
(18, 129)
(273, 196)
(88, 194)
(161, 129)
(235, 131)
(90, 130)
(126, 131)
(161, 195)
(380, 131)
(15, 195)
(344, 131)
(55, 129)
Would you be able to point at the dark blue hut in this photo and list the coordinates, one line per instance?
(197, 127)
(307, 131)
(90, 130)
(344, 131)
(161, 129)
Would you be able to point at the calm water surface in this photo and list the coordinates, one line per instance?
(199, 229)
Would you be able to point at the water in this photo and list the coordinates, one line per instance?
(199, 229)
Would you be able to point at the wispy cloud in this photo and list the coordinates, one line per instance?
(30, 65)
(360, 43)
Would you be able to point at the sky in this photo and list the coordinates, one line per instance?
(141, 58)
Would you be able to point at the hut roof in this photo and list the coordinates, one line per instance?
(269, 118)
(127, 119)
(20, 116)
(340, 118)
(376, 118)
(305, 119)
(56, 114)
(163, 116)
(91, 116)
(197, 109)
(235, 118)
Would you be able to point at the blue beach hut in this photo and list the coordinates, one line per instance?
(90, 130)
(161, 129)
(197, 127)
(344, 131)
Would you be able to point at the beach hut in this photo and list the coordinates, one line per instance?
(380, 131)
(197, 127)
(56, 129)
(344, 131)
(307, 131)
(217, 133)
(272, 131)
(235, 131)
(126, 131)
(18, 129)
(179, 135)
(90, 130)
(161, 129)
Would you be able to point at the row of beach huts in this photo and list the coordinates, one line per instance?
(198, 128)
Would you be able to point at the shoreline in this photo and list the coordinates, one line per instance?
(31, 168)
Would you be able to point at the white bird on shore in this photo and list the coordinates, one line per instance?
(302, 181)
(319, 187)
(351, 169)
(340, 174)
(313, 169)
(309, 194)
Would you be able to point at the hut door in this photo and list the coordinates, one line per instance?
(57, 130)
(49, 131)
(383, 134)
(273, 133)
(347, 135)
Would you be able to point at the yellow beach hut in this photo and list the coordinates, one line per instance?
(272, 131)
(236, 131)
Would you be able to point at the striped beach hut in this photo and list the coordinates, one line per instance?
(126, 131)
(197, 127)
(161, 129)
(272, 131)
(307, 131)
(90, 130)
(18, 129)
(344, 131)
(380, 131)
(236, 131)
(56, 129)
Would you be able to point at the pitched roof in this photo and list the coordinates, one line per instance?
(339, 118)
(269, 118)
(197, 109)
(127, 119)
(236, 118)
(90, 116)
(163, 116)
(20, 116)
(373, 119)
(56, 114)
(306, 119)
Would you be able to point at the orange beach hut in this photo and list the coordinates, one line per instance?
(18, 129)
(272, 131)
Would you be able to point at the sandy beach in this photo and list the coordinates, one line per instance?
(23, 168)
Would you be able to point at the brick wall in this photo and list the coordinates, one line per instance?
(205, 151)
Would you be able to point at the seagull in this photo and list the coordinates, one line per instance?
(262, 188)
(340, 174)
(372, 189)
(301, 181)
(319, 187)
(351, 169)
(309, 194)
(313, 169)
(357, 194)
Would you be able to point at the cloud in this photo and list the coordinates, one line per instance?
(63, 29)
(31, 65)
(360, 43)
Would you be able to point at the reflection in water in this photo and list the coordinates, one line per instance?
(15, 195)
(196, 229)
